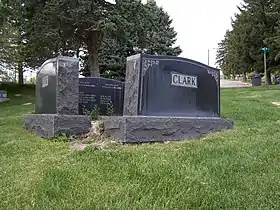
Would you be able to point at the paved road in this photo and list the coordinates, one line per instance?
(230, 83)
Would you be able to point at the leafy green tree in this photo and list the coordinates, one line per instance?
(254, 27)
(12, 45)
(100, 33)
(75, 24)
(147, 30)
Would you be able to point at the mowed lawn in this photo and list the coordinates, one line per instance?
(239, 168)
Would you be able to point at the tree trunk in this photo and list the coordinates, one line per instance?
(92, 47)
(78, 52)
(244, 78)
(268, 76)
(20, 74)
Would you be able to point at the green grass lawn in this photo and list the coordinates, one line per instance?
(238, 168)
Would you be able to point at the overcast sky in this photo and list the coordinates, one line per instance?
(200, 24)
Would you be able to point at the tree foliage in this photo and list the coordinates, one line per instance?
(12, 43)
(255, 26)
(147, 30)
(102, 34)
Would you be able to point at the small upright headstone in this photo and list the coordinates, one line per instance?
(57, 87)
(57, 98)
(168, 98)
(3, 96)
(276, 79)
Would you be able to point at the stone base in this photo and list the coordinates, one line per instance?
(50, 125)
(130, 129)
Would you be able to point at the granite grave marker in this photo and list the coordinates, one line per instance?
(172, 86)
(3, 96)
(57, 98)
(168, 98)
(104, 93)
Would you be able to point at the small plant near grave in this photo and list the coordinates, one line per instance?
(110, 108)
(61, 138)
(95, 113)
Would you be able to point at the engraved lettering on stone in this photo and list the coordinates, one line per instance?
(181, 80)
(147, 63)
(86, 98)
(215, 75)
(45, 81)
(105, 99)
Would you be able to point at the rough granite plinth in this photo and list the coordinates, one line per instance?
(50, 125)
(132, 129)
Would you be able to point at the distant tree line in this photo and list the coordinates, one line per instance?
(255, 26)
(100, 33)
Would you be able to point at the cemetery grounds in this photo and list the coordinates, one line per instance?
(234, 169)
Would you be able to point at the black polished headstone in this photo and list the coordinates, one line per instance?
(102, 92)
(171, 86)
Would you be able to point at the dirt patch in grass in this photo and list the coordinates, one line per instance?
(276, 103)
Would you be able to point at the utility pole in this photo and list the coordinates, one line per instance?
(265, 50)
(264, 64)
(209, 55)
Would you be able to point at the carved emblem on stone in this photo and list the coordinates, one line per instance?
(147, 63)
(215, 75)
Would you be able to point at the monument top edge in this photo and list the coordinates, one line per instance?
(67, 58)
(169, 57)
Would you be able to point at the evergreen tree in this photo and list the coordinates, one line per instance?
(12, 43)
(254, 27)
(102, 34)
(147, 30)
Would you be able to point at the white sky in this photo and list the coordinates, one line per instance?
(200, 24)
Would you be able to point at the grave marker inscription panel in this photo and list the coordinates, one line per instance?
(104, 93)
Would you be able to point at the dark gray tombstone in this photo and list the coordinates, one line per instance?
(57, 87)
(167, 86)
(57, 98)
(168, 98)
(3, 96)
(276, 79)
(106, 94)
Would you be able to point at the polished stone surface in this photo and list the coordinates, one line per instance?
(106, 94)
(170, 86)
